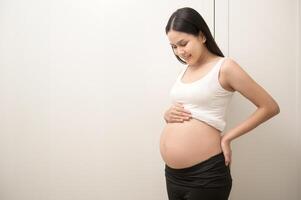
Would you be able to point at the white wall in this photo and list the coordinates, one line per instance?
(262, 39)
(83, 86)
(299, 99)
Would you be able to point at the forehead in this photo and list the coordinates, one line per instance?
(176, 36)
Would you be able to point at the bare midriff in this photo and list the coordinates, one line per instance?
(184, 144)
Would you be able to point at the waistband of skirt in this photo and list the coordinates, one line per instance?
(212, 159)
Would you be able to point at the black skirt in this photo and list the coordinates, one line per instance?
(210, 173)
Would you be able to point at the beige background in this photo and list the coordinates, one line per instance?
(263, 38)
(83, 87)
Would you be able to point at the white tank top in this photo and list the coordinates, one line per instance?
(205, 98)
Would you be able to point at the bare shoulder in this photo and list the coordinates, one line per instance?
(241, 81)
(234, 74)
(230, 70)
(230, 66)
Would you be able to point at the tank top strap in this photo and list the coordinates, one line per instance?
(218, 67)
(181, 73)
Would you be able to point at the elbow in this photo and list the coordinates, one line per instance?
(274, 109)
(271, 109)
(278, 109)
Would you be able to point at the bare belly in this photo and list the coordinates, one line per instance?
(187, 143)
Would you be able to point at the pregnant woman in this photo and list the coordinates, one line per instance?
(196, 153)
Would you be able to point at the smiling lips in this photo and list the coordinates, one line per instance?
(186, 57)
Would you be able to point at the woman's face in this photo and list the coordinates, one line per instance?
(187, 46)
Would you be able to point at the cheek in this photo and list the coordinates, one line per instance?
(196, 50)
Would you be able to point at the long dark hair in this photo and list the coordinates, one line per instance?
(189, 21)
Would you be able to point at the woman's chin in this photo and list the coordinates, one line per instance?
(188, 60)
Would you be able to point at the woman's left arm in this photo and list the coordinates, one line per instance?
(240, 81)
(267, 107)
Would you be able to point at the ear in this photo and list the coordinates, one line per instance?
(202, 37)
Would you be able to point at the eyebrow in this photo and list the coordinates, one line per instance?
(178, 41)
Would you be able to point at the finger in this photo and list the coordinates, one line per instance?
(183, 112)
(177, 119)
(227, 161)
(185, 115)
(186, 118)
(226, 158)
(177, 114)
(186, 111)
(178, 104)
(178, 107)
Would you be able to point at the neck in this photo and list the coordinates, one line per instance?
(205, 58)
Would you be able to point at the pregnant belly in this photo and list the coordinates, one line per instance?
(187, 143)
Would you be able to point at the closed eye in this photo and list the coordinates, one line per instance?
(174, 47)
